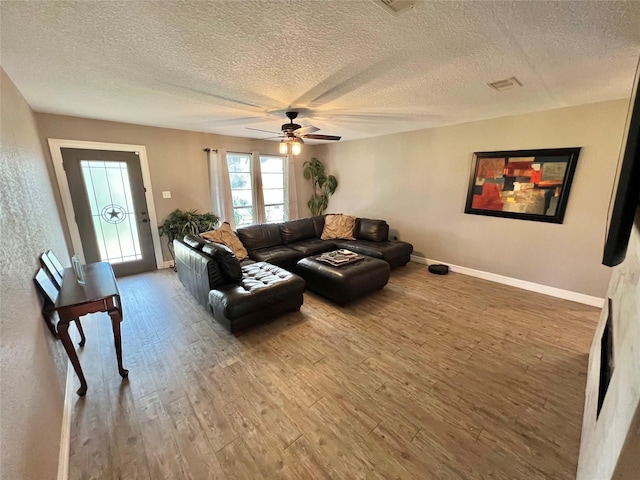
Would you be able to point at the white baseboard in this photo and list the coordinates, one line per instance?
(65, 430)
(514, 282)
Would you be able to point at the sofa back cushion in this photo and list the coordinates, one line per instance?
(318, 225)
(227, 262)
(260, 236)
(373, 230)
(194, 241)
(297, 230)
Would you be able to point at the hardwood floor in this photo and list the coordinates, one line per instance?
(434, 377)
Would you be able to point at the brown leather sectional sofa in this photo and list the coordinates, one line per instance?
(241, 294)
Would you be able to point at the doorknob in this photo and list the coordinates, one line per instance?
(145, 220)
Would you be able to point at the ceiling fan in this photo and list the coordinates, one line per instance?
(293, 134)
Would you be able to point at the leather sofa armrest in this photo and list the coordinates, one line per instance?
(198, 272)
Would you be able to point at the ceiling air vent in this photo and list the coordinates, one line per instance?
(506, 84)
(394, 7)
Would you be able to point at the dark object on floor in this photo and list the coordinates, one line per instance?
(439, 269)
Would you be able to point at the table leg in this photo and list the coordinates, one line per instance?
(116, 318)
(81, 331)
(63, 333)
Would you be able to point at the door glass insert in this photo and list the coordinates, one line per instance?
(112, 210)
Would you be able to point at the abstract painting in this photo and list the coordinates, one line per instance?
(523, 184)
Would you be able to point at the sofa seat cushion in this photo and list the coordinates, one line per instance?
(262, 287)
(313, 246)
(297, 230)
(281, 255)
(395, 252)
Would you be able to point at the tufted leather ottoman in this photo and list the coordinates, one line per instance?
(263, 292)
(345, 283)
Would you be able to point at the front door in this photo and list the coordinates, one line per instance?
(107, 193)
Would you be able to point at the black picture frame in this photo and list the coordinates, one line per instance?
(522, 184)
(627, 192)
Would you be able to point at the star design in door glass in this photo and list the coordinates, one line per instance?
(113, 214)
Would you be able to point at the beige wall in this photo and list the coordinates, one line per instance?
(32, 388)
(177, 162)
(610, 443)
(418, 181)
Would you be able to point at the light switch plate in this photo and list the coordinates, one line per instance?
(166, 194)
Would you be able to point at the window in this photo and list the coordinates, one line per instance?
(241, 192)
(257, 188)
(272, 170)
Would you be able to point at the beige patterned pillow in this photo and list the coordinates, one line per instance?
(339, 226)
(225, 236)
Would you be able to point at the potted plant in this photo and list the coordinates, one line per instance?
(323, 186)
(181, 222)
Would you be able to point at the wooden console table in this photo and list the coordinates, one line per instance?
(100, 294)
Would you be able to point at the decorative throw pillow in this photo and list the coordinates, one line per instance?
(225, 236)
(338, 226)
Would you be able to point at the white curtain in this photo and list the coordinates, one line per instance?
(220, 186)
(291, 193)
(258, 197)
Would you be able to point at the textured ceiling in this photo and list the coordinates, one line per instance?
(349, 67)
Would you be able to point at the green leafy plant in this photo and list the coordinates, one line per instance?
(181, 222)
(323, 185)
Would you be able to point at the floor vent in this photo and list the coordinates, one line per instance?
(506, 84)
(395, 7)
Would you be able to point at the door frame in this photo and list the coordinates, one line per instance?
(55, 145)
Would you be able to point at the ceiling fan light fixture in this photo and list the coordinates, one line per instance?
(293, 134)
(296, 146)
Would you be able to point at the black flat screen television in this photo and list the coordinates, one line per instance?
(627, 197)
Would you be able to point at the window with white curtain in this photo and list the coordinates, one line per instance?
(257, 188)
(272, 169)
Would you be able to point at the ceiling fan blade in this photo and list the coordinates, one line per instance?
(260, 130)
(321, 137)
(306, 130)
(268, 138)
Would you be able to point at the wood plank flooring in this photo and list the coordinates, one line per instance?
(434, 377)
